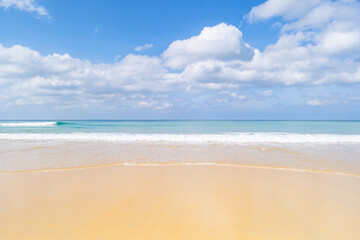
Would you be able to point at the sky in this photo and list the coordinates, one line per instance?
(214, 59)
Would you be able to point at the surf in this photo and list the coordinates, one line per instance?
(29, 124)
(226, 138)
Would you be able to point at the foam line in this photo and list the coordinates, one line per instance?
(186, 164)
(28, 124)
(226, 138)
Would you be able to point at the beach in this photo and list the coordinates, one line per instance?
(179, 180)
(180, 120)
(178, 202)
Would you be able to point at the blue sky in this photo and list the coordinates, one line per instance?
(179, 59)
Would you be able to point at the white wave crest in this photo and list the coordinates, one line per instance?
(28, 124)
(228, 138)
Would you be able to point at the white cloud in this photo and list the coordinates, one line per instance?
(146, 104)
(268, 93)
(355, 98)
(155, 105)
(315, 102)
(234, 95)
(143, 47)
(33, 78)
(334, 98)
(276, 25)
(221, 42)
(312, 49)
(326, 100)
(288, 9)
(25, 5)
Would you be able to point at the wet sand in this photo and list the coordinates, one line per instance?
(179, 202)
(19, 156)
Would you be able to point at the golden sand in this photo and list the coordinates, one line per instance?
(179, 202)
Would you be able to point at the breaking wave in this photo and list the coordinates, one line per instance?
(29, 124)
(225, 138)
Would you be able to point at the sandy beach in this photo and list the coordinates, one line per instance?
(178, 202)
(180, 120)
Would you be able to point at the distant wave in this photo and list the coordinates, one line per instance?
(29, 124)
(227, 138)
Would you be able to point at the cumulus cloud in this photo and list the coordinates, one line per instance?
(329, 27)
(221, 42)
(318, 44)
(26, 76)
(25, 5)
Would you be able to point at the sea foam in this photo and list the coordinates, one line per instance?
(225, 138)
(28, 124)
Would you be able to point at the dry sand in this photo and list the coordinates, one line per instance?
(179, 202)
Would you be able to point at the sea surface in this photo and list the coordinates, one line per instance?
(320, 145)
(234, 132)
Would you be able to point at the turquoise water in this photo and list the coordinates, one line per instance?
(321, 145)
(182, 127)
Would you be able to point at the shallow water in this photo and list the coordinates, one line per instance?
(18, 156)
(329, 146)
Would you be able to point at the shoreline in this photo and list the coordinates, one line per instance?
(36, 156)
(183, 164)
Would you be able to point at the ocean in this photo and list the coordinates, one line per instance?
(318, 145)
(235, 132)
